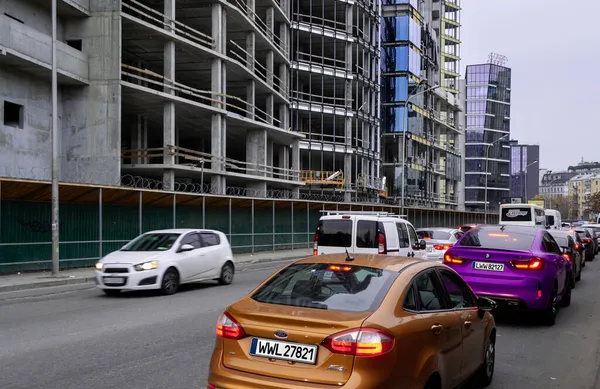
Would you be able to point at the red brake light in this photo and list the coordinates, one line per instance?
(381, 242)
(363, 342)
(211, 386)
(316, 244)
(442, 246)
(567, 257)
(228, 328)
(449, 258)
(532, 264)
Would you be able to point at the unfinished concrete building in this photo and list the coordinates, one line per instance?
(335, 96)
(192, 91)
(205, 94)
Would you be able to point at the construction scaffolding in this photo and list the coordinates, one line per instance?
(335, 94)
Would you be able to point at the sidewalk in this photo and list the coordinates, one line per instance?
(16, 282)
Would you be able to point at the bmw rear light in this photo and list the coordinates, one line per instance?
(532, 264)
(228, 328)
(363, 342)
(316, 243)
(381, 243)
(441, 247)
(450, 258)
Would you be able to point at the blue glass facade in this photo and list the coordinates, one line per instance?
(400, 59)
(401, 29)
(414, 3)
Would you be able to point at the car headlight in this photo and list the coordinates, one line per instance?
(99, 266)
(146, 266)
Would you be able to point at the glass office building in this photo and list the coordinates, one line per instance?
(420, 131)
(487, 136)
(524, 170)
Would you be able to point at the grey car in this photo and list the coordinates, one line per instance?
(438, 239)
(567, 243)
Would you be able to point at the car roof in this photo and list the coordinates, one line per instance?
(560, 232)
(447, 229)
(378, 261)
(179, 231)
(510, 228)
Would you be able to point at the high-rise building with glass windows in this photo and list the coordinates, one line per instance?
(420, 107)
(487, 134)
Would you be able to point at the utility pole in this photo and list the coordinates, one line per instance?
(55, 149)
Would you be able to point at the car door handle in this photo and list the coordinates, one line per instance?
(437, 329)
(468, 323)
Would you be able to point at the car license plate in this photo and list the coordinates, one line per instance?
(296, 352)
(429, 249)
(488, 266)
(113, 280)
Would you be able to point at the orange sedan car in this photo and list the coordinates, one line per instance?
(362, 322)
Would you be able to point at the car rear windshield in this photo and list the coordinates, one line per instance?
(562, 240)
(516, 215)
(498, 240)
(152, 242)
(549, 220)
(335, 233)
(433, 234)
(331, 287)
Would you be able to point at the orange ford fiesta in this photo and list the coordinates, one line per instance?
(362, 322)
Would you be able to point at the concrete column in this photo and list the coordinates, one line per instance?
(169, 107)
(251, 99)
(270, 22)
(269, 158)
(250, 50)
(270, 109)
(284, 162)
(256, 158)
(284, 34)
(296, 167)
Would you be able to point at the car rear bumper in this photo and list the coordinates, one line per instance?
(225, 378)
(519, 293)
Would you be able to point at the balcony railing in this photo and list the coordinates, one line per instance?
(157, 19)
(316, 177)
(260, 25)
(204, 162)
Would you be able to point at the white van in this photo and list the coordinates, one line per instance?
(367, 233)
(553, 219)
(523, 215)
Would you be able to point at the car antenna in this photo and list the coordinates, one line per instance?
(348, 257)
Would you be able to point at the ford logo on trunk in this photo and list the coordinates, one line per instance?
(281, 334)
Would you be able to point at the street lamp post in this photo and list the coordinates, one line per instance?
(55, 149)
(526, 168)
(487, 153)
(405, 129)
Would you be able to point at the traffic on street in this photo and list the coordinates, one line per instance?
(82, 338)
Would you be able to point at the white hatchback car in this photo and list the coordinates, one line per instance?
(165, 259)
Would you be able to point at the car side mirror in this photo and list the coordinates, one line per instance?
(484, 305)
(420, 245)
(564, 249)
(185, 247)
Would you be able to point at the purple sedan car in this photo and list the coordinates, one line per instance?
(516, 266)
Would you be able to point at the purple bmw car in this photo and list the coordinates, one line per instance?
(516, 266)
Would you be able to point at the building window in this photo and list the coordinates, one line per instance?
(13, 114)
(75, 43)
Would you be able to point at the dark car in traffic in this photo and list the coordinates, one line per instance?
(588, 242)
(570, 252)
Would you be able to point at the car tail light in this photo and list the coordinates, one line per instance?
(442, 246)
(381, 242)
(449, 258)
(532, 264)
(363, 342)
(211, 386)
(567, 257)
(316, 244)
(228, 328)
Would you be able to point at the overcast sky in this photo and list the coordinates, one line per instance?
(553, 49)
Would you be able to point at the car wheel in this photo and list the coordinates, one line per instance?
(170, 282)
(550, 311)
(111, 292)
(578, 277)
(589, 257)
(573, 277)
(484, 376)
(226, 274)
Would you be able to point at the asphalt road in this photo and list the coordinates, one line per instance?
(78, 338)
